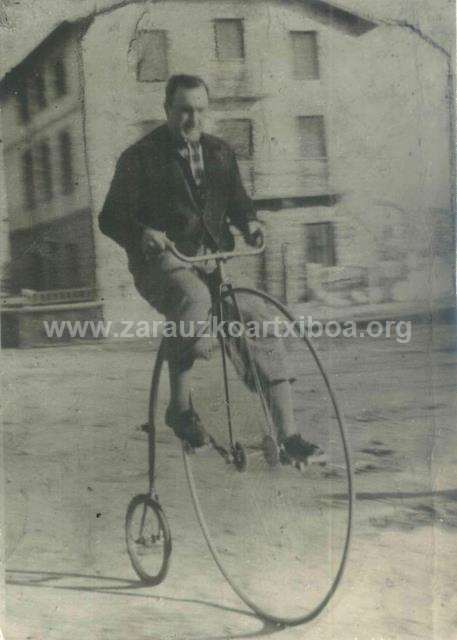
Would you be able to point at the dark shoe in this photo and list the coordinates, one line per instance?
(295, 449)
(187, 426)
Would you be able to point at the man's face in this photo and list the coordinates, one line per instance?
(188, 113)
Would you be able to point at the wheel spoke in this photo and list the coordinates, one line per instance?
(149, 551)
(272, 529)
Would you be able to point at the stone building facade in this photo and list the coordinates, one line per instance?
(50, 220)
(341, 126)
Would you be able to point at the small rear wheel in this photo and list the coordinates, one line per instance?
(148, 539)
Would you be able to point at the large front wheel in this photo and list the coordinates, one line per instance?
(280, 536)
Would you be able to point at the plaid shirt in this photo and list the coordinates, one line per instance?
(153, 194)
(193, 154)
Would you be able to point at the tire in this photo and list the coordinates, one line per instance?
(149, 504)
(254, 521)
(149, 552)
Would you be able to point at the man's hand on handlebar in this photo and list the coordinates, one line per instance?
(254, 236)
(153, 242)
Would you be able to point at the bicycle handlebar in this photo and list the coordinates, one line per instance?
(223, 255)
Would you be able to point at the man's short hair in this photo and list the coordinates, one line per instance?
(186, 82)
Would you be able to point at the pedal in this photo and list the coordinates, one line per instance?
(220, 450)
(271, 451)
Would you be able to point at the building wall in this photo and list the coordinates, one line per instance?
(5, 279)
(41, 198)
(392, 161)
(49, 257)
(276, 169)
(382, 95)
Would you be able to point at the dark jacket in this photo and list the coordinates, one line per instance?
(153, 186)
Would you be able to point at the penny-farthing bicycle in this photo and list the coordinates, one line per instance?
(280, 535)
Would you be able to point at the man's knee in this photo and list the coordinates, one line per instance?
(170, 286)
(184, 351)
(202, 348)
(190, 286)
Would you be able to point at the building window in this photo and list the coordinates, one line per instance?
(36, 272)
(52, 274)
(45, 171)
(152, 56)
(72, 266)
(38, 88)
(66, 162)
(320, 243)
(238, 134)
(59, 78)
(23, 101)
(28, 180)
(311, 136)
(305, 55)
(229, 36)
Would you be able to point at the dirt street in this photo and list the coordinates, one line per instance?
(74, 457)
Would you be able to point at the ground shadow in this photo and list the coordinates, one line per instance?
(400, 495)
(41, 579)
(410, 509)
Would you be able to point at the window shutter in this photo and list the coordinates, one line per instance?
(152, 56)
(229, 39)
(60, 78)
(45, 172)
(311, 136)
(28, 180)
(38, 89)
(22, 96)
(320, 243)
(66, 160)
(305, 55)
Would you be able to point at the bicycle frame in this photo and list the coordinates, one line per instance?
(225, 289)
(150, 427)
(224, 284)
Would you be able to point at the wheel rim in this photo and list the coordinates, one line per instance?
(191, 465)
(157, 541)
(148, 539)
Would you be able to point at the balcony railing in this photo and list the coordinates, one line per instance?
(30, 297)
(286, 178)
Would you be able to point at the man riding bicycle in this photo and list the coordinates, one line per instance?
(178, 183)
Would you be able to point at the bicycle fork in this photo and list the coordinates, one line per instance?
(251, 362)
(238, 454)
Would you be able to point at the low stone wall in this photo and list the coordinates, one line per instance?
(24, 327)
